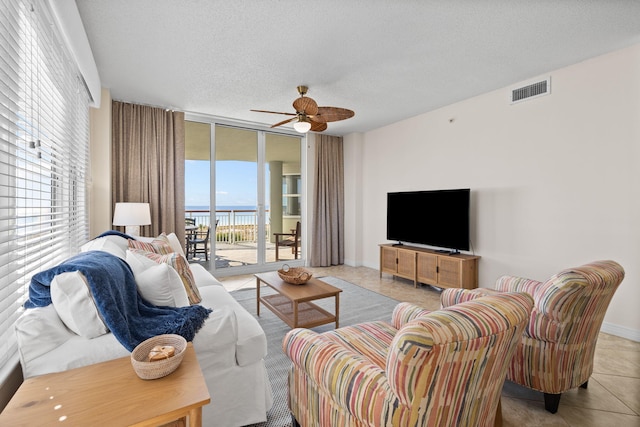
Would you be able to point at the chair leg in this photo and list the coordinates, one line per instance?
(585, 385)
(277, 257)
(206, 252)
(551, 402)
(294, 422)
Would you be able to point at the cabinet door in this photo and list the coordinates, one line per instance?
(427, 268)
(388, 260)
(449, 272)
(407, 264)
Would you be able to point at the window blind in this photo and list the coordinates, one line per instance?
(44, 155)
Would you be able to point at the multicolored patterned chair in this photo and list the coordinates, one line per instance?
(557, 347)
(440, 368)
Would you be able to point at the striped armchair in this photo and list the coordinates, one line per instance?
(445, 367)
(556, 351)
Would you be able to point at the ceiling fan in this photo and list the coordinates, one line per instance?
(309, 116)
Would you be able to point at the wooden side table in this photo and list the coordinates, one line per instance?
(110, 393)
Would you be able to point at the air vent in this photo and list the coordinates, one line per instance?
(531, 91)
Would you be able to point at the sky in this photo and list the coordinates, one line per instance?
(236, 183)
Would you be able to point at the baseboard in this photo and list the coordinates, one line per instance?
(620, 331)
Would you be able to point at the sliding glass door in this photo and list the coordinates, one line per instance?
(283, 188)
(239, 210)
(254, 184)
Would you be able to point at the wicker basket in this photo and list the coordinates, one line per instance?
(294, 275)
(161, 368)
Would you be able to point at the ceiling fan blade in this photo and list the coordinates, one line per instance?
(274, 112)
(318, 127)
(332, 114)
(305, 105)
(284, 122)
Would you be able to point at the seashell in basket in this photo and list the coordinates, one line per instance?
(294, 275)
(150, 370)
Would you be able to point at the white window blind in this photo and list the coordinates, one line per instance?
(44, 155)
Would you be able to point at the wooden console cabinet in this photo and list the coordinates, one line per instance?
(429, 267)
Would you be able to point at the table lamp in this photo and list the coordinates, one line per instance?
(132, 216)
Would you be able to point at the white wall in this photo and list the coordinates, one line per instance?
(555, 180)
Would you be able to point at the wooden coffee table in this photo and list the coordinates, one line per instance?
(292, 303)
(110, 393)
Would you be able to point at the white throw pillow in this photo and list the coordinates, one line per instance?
(115, 245)
(74, 304)
(138, 263)
(161, 285)
(158, 286)
(175, 243)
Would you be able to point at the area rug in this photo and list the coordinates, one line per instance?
(357, 305)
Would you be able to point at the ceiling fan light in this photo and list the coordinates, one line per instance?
(302, 126)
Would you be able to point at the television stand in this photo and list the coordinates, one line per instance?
(441, 269)
(447, 252)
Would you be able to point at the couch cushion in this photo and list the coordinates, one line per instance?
(202, 276)
(74, 353)
(115, 245)
(74, 304)
(252, 342)
(39, 331)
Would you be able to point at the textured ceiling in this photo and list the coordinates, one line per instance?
(386, 60)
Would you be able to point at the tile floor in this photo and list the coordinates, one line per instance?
(613, 395)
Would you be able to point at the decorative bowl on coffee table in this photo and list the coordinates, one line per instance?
(294, 275)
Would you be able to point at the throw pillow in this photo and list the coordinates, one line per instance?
(74, 304)
(159, 245)
(180, 264)
(159, 284)
(115, 245)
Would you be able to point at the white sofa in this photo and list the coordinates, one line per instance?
(230, 347)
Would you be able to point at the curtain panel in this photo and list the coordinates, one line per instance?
(148, 163)
(327, 231)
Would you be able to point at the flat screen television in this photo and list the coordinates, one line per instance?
(437, 218)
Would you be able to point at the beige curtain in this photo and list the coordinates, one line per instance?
(148, 164)
(328, 225)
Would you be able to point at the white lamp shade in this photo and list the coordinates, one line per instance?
(302, 126)
(132, 214)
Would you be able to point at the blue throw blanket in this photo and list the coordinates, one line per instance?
(130, 318)
(115, 233)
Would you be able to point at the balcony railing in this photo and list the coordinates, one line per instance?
(232, 226)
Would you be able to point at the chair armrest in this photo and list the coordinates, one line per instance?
(338, 371)
(405, 312)
(453, 296)
(284, 234)
(517, 284)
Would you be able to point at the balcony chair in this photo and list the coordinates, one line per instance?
(190, 228)
(291, 240)
(440, 368)
(556, 350)
(199, 244)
